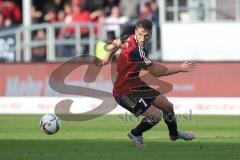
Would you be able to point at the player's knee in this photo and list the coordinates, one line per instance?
(169, 107)
(157, 116)
(163, 104)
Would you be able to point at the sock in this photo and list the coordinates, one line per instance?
(170, 120)
(143, 126)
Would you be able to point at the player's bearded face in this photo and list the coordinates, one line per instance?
(142, 36)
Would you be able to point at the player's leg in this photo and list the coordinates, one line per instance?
(152, 116)
(169, 117)
(140, 106)
(162, 103)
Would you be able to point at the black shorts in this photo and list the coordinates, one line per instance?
(137, 105)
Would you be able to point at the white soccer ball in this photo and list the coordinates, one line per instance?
(50, 124)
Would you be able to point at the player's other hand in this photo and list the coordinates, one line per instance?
(187, 66)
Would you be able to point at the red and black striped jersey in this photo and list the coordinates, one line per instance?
(129, 64)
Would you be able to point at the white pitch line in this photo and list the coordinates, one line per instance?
(197, 137)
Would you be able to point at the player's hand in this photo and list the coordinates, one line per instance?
(187, 66)
(102, 63)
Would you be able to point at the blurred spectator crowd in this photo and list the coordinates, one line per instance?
(112, 12)
(98, 11)
(71, 11)
(10, 14)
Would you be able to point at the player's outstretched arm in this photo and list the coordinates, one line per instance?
(160, 70)
(183, 67)
(111, 49)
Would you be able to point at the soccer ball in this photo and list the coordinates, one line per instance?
(50, 124)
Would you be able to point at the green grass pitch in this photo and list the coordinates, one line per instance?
(104, 138)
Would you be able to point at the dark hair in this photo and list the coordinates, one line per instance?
(145, 24)
(127, 31)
